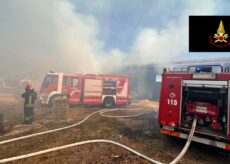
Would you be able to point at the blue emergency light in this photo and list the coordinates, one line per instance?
(203, 69)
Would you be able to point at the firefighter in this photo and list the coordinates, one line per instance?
(30, 96)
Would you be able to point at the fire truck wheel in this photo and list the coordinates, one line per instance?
(51, 101)
(108, 102)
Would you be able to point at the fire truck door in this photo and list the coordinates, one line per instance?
(65, 85)
(75, 91)
(170, 99)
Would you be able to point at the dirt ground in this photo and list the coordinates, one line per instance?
(140, 133)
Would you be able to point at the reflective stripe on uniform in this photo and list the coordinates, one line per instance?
(30, 100)
(29, 105)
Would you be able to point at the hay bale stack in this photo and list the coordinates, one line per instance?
(1, 123)
(60, 108)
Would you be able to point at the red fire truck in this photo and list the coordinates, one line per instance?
(104, 89)
(202, 92)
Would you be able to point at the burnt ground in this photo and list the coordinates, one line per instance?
(140, 133)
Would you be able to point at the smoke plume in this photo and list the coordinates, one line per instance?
(55, 35)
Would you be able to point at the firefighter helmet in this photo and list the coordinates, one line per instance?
(28, 86)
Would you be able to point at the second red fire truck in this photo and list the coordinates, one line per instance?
(202, 92)
(104, 89)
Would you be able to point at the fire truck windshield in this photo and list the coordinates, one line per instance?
(49, 79)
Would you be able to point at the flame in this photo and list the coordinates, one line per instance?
(220, 29)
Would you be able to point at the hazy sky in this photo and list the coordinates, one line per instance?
(91, 36)
(121, 21)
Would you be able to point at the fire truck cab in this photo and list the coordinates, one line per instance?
(201, 91)
(108, 89)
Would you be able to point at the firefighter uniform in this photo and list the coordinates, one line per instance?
(30, 96)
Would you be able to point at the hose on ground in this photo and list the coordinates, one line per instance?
(62, 128)
(177, 159)
(77, 144)
(102, 113)
(51, 131)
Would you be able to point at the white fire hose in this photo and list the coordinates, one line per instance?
(53, 130)
(94, 141)
(177, 159)
(102, 113)
(76, 144)
(67, 127)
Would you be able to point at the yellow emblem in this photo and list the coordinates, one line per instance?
(221, 36)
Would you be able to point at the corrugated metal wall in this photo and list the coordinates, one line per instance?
(143, 81)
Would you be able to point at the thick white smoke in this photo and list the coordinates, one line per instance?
(53, 34)
(47, 35)
(170, 42)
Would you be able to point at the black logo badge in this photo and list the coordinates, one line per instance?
(209, 33)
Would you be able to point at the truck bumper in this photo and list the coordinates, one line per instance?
(197, 139)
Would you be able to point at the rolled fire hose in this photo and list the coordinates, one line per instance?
(177, 159)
